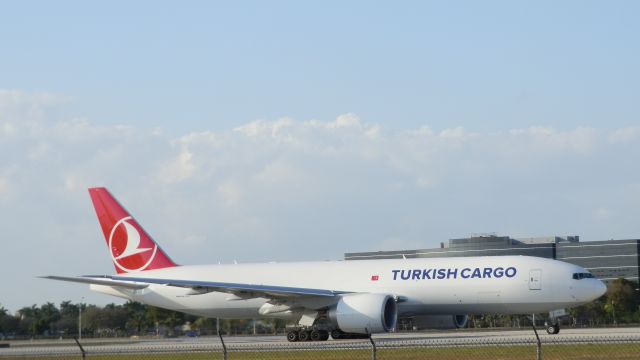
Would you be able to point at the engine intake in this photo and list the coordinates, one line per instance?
(365, 313)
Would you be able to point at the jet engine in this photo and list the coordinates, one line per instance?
(365, 313)
(460, 321)
(440, 321)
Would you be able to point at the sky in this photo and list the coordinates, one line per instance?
(280, 131)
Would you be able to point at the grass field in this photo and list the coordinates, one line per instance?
(550, 352)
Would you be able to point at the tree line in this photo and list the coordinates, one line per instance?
(112, 320)
(620, 305)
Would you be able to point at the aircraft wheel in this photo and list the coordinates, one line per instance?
(337, 334)
(314, 335)
(303, 335)
(553, 329)
(324, 335)
(292, 336)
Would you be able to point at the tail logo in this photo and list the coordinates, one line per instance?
(126, 251)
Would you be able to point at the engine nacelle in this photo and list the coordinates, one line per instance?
(440, 321)
(460, 321)
(365, 313)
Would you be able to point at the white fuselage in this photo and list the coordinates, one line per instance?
(425, 286)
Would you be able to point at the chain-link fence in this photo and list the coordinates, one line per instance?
(446, 348)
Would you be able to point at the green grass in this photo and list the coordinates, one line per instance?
(550, 352)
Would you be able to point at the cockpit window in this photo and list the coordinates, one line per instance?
(580, 276)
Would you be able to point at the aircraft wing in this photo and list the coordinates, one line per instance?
(99, 280)
(246, 291)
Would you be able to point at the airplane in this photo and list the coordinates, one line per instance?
(341, 299)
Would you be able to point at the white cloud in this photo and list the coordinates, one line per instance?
(373, 132)
(179, 168)
(11, 100)
(345, 121)
(301, 189)
(579, 140)
(22, 107)
(263, 127)
(205, 138)
(624, 135)
(424, 131)
(278, 172)
(254, 128)
(454, 133)
(230, 193)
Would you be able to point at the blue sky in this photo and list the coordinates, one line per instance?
(204, 65)
(260, 131)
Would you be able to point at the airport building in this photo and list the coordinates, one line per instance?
(607, 260)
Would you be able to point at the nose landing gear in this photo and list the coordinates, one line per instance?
(552, 329)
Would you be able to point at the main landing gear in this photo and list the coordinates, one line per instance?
(304, 334)
(294, 335)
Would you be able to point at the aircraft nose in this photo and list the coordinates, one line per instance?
(599, 289)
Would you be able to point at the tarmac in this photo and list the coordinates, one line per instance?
(466, 337)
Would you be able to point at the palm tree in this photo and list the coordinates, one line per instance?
(49, 314)
(137, 315)
(30, 316)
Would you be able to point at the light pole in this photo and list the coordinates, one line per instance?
(80, 319)
(613, 309)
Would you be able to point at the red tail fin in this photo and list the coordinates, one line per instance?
(131, 248)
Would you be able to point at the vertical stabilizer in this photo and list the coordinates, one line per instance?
(130, 247)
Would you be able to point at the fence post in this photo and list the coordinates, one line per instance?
(224, 347)
(538, 343)
(84, 354)
(373, 348)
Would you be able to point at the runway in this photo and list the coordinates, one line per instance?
(270, 343)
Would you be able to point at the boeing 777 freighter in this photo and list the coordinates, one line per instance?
(338, 298)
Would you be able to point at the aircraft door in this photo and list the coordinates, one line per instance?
(535, 279)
